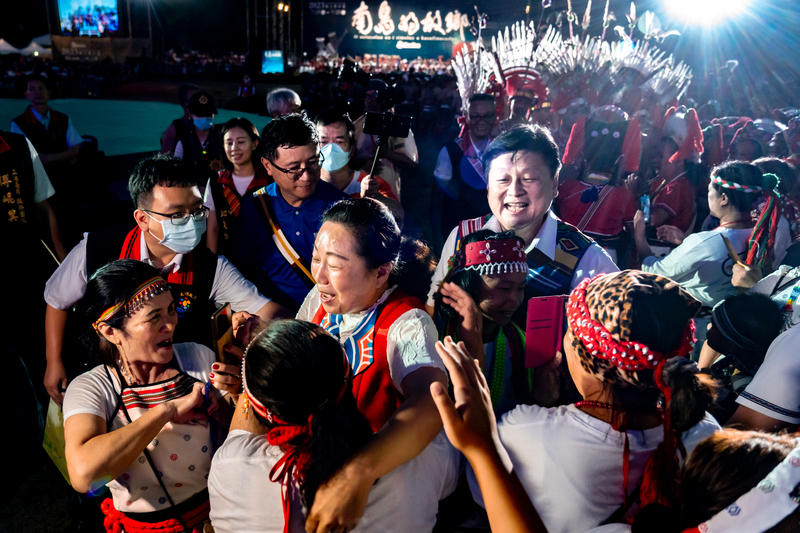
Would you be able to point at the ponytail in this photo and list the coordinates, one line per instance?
(338, 430)
(687, 396)
(762, 239)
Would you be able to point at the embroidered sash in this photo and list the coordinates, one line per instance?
(295, 260)
(359, 345)
(131, 249)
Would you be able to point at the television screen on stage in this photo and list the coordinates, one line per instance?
(88, 17)
(272, 61)
(402, 28)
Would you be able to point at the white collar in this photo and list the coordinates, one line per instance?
(545, 240)
(144, 256)
(40, 117)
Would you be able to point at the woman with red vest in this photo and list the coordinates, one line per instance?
(369, 285)
(240, 178)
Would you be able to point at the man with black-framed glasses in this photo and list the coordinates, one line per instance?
(459, 173)
(169, 235)
(277, 225)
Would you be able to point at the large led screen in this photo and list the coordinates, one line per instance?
(88, 17)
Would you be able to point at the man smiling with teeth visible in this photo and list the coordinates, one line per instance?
(522, 169)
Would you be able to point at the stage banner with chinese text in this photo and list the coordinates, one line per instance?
(404, 28)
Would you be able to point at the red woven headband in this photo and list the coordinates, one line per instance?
(625, 355)
(496, 256)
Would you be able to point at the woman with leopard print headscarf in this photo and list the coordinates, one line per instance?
(586, 464)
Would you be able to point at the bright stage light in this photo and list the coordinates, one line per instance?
(706, 12)
(280, 7)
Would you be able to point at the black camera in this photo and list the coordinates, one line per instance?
(386, 125)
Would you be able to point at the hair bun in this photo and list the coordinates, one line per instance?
(769, 181)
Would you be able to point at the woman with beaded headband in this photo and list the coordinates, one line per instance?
(296, 424)
(369, 281)
(484, 287)
(139, 422)
(591, 462)
(701, 263)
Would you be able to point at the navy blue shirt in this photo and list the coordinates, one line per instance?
(255, 254)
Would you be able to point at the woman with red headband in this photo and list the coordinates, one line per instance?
(296, 424)
(139, 422)
(590, 463)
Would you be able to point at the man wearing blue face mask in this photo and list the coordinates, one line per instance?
(169, 235)
(337, 137)
(202, 146)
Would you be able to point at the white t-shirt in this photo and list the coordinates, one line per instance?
(570, 463)
(181, 452)
(67, 285)
(410, 341)
(775, 389)
(701, 264)
(406, 500)
(594, 261)
(240, 183)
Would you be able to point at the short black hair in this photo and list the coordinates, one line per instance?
(532, 138)
(744, 174)
(332, 115)
(161, 169)
(36, 77)
(288, 131)
(481, 98)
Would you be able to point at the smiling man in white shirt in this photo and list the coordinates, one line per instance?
(522, 172)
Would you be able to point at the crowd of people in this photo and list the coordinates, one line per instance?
(610, 278)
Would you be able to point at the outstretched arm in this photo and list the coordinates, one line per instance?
(470, 425)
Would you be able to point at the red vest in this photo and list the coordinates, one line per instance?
(373, 388)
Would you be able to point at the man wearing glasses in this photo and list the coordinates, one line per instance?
(459, 172)
(277, 225)
(170, 223)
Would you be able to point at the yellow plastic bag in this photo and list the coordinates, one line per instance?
(53, 442)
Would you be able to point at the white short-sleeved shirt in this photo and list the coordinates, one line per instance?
(72, 139)
(410, 341)
(240, 183)
(181, 451)
(701, 264)
(406, 500)
(775, 389)
(570, 463)
(594, 261)
(67, 285)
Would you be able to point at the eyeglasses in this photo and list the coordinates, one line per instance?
(489, 117)
(180, 219)
(296, 172)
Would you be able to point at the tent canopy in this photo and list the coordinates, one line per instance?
(6, 48)
(44, 40)
(35, 49)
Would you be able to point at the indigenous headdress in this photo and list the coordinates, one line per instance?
(602, 137)
(474, 67)
(683, 127)
(752, 132)
(493, 256)
(600, 314)
(515, 53)
(762, 507)
(144, 292)
(294, 436)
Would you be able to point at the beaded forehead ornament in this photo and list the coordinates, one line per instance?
(146, 291)
(496, 256)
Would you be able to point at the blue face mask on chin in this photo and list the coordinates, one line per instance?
(203, 123)
(181, 239)
(335, 157)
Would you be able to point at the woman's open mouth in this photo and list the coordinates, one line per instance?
(165, 344)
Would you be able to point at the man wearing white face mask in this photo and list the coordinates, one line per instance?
(202, 146)
(337, 137)
(170, 224)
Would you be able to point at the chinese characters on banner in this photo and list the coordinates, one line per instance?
(409, 24)
(16, 211)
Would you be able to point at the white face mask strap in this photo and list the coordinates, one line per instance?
(162, 227)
